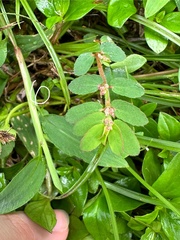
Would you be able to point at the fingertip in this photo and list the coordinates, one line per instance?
(62, 226)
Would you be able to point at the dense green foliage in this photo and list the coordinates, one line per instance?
(89, 115)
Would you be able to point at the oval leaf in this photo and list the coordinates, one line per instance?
(132, 63)
(83, 125)
(131, 145)
(78, 9)
(155, 41)
(83, 63)
(171, 21)
(168, 127)
(61, 6)
(46, 7)
(152, 7)
(76, 113)
(112, 51)
(85, 84)
(115, 140)
(127, 87)
(93, 138)
(129, 113)
(119, 11)
(23, 186)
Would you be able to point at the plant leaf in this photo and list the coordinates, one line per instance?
(3, 51)
(56, 127)
(115, 139)
(26, 133)
(76, 113)
(152, 7)
(85, 84)
(171, 21)
(168, 182)
(129, 113)
(46, 7)
(130, 143)
(83, 125)
(92, 138)
(112, 51)
(23, 186)
(168, 127)
(97, 219)
(155, 40)
(132, 63)
(41, 212)
(127, 87)
(83, 63)
(119, 11)
(78, 9)
(151, 168)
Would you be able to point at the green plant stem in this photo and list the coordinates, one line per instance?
(51, 50)
(109, 203)
(153, 191)
(158, 143)
(15, 109)
(86, 174)
(31, 95)
(157, 28)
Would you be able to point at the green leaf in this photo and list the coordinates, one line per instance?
(51, 21)
(112, 51)
(3, 81)
(168, 127)
(171, 21)
(41, 212)
(23, 186)
(152, 7)
(56, 127)
(150, 234)
(30, 43)
(151, 168)
(79, 197)
(127, 87)
(46, 7)
(23, 125)
(3, 51)
(83, 63)
(77, 229)
(115, 140)
(6, 149)
(97, 219)
(83, 125)
(132, 63)
(130, 143)
(169, 223)
(168, 182)
(129, 113)
(92, 138)
(148, 108)
(155, 40)
(78, 9)
(121, 203)
(119, 11)
(85, 84)
(76, 113)
(61, 6)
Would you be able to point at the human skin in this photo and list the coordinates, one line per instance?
(17, 226)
